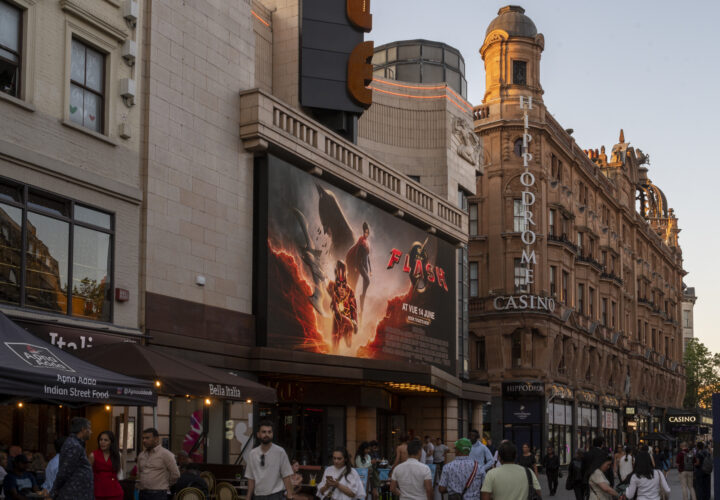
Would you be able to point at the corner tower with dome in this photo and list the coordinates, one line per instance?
(575, 269)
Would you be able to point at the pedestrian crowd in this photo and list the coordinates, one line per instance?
(73, 475)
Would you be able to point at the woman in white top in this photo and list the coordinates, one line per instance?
(340, 481)
(625, 466)
(598, 483)
(362, 458)
(646, 481)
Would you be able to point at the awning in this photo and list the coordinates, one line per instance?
(657, 436)
(177, 376)
(34, 371)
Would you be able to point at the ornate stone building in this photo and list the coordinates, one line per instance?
(575, 269)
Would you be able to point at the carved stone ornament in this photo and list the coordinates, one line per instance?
(469, 147)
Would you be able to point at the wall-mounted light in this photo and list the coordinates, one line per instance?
(200, 280)
(208, 401)
(108, 407)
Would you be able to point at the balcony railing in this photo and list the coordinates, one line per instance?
(266, 122)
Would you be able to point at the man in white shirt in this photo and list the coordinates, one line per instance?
(268, 469)
(429, 448)
(412, 480)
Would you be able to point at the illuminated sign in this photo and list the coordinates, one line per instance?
(682, 419)
(344, 277)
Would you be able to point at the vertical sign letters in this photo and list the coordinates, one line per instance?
(527, 179)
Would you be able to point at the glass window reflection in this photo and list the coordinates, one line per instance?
(47, 263)
(94, 217)
(10, 253)
(91, 264)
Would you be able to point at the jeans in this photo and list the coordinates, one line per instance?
(579, 492)
(686, 484)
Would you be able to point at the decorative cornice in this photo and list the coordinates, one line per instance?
(83, 14)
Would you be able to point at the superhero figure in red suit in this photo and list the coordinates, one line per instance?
(358, 261)
(343, 306)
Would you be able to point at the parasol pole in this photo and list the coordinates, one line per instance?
(125, 437)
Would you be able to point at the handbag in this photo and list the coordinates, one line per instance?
(532, 494)
(460, 496)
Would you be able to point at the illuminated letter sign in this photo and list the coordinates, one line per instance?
(359, 74)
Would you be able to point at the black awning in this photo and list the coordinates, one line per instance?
(177, 376)
(35, 371)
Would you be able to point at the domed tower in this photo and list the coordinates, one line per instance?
(511, 52)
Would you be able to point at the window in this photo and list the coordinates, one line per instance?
(473, 219)
(518, 147)
(473, 279)
(613, 319)
(604, 311)
(10, 57)
(516, 349)
(652, 338)
(87, 86)
(480, 353)
(415, 178)
(519, 72)
(686, 319)
(553, 281)
(520, 276)
(553, 166)
(591, 303)
(580, 242)
(603, 258)
(551, 222)
(518, 216)
(564, 290)
(462, 199)
(581, 298)
(68, 251)
(560, 171)
(613, 260)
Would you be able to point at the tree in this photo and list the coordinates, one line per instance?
(702, 375)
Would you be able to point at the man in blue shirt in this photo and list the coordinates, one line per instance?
(480, 453)
(52, 466)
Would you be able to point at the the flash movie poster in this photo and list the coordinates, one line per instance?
(346, 278)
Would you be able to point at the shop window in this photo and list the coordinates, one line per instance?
(519, 72)
(87, 86)
(474, 280)
(519, 224)
(516, 349)
(480, 362)
(473, 219)
(67, 249)
(10, 56)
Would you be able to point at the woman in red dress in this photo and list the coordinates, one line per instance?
(105, 462)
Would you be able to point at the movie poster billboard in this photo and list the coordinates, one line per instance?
(347, 278)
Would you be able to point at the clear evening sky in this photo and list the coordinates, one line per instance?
(649, 67)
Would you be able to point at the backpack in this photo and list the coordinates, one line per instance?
(707, 463)
(688, 461)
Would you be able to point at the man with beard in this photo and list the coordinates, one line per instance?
(74, 480)
(156, 468)
(268, 469)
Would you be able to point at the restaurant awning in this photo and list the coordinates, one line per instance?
(32, 370)
(177, 376)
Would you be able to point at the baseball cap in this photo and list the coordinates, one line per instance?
(463, 445)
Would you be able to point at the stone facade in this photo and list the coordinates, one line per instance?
(611, 338)
(688, 321)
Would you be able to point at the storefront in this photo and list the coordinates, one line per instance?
(586, 410)
(611, 421)
(689, 426)
(560, 422)
(523, 407)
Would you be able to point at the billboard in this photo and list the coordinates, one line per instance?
(344, 277)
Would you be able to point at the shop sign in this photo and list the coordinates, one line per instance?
(523, 389)
(522, 412)
(524, 302)
(683, 419)
(630, 410)
(706, 420)
(68, 338)
(587, 397)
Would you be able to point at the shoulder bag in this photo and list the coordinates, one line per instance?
(460, 496)
(532, 494)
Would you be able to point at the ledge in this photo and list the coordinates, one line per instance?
(268, 123)
(79, 12)
(80, 128)
(17, 102)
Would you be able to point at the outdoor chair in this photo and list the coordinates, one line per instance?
(190, 494)
(226, 491)
(209, 478)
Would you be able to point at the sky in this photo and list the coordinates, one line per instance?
(648, 67)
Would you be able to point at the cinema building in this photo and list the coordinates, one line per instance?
(254, 239)
(575, 269)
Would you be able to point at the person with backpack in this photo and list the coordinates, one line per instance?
(684, 460)
(703, 468)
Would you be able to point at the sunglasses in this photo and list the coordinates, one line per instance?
(262, 460)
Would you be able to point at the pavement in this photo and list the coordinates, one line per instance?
(563, 494)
